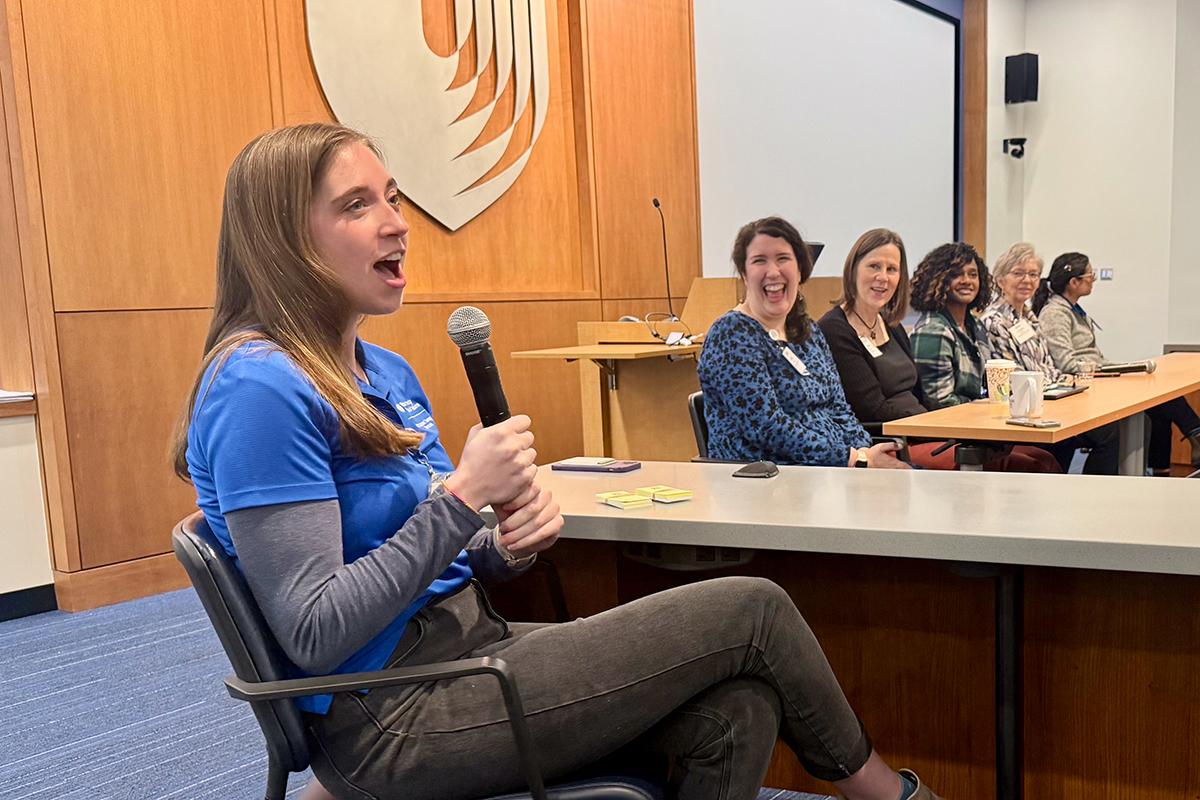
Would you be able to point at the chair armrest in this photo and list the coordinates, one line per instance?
(255, 691)
(258, 691)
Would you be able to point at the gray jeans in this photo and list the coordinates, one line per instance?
(706, 674)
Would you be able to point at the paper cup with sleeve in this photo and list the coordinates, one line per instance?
(1026, 400)
(998, 372)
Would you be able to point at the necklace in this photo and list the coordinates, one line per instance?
(870, 328)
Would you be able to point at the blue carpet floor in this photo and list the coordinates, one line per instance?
(126, 703)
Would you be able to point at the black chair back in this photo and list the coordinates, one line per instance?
(699, 424)
(248, 642)
(257, 658)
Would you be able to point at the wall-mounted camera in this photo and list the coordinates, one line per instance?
(1015, 147)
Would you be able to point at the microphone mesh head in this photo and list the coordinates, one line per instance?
(468, 326)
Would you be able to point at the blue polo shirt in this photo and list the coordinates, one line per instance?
(261, 435)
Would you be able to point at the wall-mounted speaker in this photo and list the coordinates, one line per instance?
(1021, 78)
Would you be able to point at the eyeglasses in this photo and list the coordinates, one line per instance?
(1087, 276)
(1021, 275)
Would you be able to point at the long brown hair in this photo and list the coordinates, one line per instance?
(895, 308)
(273, 287)
(798, 325)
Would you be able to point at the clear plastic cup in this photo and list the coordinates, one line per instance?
(998, 372)
(1084, 372)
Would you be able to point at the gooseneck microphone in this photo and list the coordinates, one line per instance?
(666, 265)
(470, 329)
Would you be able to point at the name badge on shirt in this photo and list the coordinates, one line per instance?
(1022, 332)
(871, 348)
(795, 361)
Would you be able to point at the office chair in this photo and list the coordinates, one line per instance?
(700, 429)
(261, 667)
(699, 425)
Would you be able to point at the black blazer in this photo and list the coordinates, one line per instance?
(859, 372)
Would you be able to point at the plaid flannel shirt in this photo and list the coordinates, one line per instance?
(949, 359)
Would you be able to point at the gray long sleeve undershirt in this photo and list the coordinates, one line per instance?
(322, 610)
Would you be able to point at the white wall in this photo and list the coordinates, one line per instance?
(1112, 167)
(1098, 164)
(1005, 174)
(1184, 320)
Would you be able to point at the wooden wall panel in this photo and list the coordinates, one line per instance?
(16, 363)
(126, 375)
(1112, 686)
(643, 111)
(974, 199)
(139, 108)
(527, 244)
(39, 298)
(548, 391)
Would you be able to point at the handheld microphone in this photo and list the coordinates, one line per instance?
(470, 329)
(666, 265)
(1148, 366)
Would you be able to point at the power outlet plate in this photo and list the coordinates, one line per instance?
(1106, 273)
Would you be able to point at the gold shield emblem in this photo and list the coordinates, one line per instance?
(380, 76)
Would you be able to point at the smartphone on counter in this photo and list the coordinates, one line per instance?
(582, 464)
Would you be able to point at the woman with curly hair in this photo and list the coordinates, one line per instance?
(948, 344)
(949, 348)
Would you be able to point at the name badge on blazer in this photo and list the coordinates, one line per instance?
(871, 348)
(1022, 332)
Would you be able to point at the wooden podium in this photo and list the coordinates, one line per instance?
(635, 386)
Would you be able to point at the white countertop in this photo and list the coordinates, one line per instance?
(1093, 522)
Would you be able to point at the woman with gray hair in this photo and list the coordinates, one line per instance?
(1013, 332)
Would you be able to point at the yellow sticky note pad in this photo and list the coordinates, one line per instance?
(604, 497)
(665, 494)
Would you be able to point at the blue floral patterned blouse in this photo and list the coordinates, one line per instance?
(758, 405)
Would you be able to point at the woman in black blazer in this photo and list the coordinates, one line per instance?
(873, 354)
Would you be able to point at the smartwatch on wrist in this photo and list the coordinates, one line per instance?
(861, 461)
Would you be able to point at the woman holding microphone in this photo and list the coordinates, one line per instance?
(318, 465)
